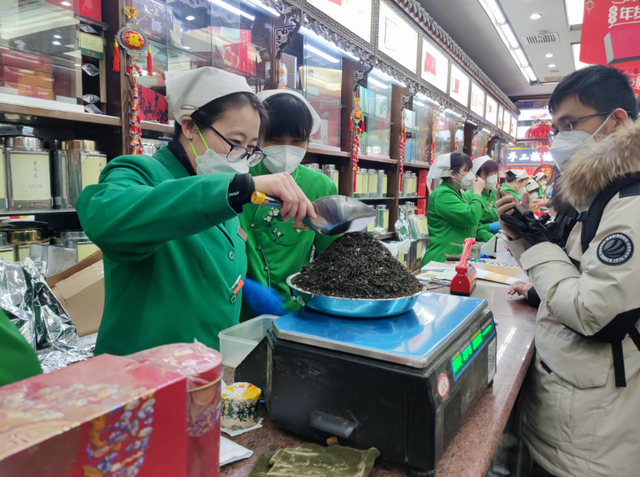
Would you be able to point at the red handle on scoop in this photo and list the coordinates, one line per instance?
(464, 259)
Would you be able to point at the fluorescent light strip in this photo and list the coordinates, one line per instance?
(575, 11)
(497, 12)
(486, 130)
(256, 3)
(379, 83)
(575, 49)
(513, 41)
(383, 75)
(419, 103)
(530, 73)
(452, 112)
(427, 98)
(232, 9)
(322, 54)
(521, 57)
(312, 34)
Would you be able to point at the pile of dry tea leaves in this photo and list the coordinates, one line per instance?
(357, 266)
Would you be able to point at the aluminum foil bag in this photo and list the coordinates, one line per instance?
(33, 308)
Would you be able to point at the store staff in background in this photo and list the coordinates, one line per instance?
(515, 182)
(174, 252)
(487, 169)
(18, 360)
(576, 416)
(277, 249)
(452, 217)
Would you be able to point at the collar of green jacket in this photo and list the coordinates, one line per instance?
(168, 160)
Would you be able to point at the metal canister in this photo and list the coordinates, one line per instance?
(76, 164)
(382, 219)
(21, 240)
(373, 183)
(77, 240)
(331, 172)
(385, 182)
(413, 184)
(28, 173)
(313, 166)
(372, 224)
(4, 203)
(362, 183)
(149, 149)
(6, 250)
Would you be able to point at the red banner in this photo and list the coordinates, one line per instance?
(611, 36)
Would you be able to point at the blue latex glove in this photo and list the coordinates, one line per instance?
(494, 227)
(262, 299)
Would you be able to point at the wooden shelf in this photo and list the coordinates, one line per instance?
(385, 236)
(326, 152)
(37, 212)
(151, 126)
(26, 111)
(377, 159)
(411, 198)
(417, 165)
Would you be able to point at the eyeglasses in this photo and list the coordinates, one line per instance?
(237, 152)
(568, 124)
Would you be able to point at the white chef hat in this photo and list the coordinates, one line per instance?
(540, 176)
(189, 90)
(532, 186)
(263, 95)
(521, 174)
(440, 168)
(479, 162)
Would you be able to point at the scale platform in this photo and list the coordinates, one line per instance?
(403, 385)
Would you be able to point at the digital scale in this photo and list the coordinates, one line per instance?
(403, 385)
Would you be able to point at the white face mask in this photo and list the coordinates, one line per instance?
(491, 183)
(533, 195)
(522, 190)
(567, 143)
(283, 158)
(212, 162)
(467, 181)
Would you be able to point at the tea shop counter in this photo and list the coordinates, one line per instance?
(471, 451)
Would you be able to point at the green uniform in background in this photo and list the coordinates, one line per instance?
(451, 219)
(277, 245)
(489, 214)
(18, 360)
(509, 189)
(172, 253)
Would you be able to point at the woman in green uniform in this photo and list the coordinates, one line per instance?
(168, 227)
(17, 359)
(277, 249)
(487, 169)
(451, 216)
(515, 182)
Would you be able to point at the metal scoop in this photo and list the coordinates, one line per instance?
(336, 214)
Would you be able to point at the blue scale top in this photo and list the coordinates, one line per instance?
(412, 339)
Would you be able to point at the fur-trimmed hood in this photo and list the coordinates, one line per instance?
(596, 166)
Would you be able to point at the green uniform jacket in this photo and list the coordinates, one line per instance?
(451, 219)
(18, 360)
(489, 214)
(278, 246)
(172, 253)
(509, 189)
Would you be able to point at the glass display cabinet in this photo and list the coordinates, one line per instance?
(375, 101)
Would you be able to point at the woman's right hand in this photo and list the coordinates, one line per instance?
(506, 206)
(282, 186)
(478, 185)
(539, 203)
(521, 287)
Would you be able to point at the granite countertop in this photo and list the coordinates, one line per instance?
(471, 451)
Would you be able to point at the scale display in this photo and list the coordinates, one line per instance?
(463, 358)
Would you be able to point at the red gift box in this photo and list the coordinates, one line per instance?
(202, 367)
(29, 61)
(622, 45)
(86, 8)
(242, 55)
(11, 74)
(26, 90)
(421, 207)
(105, 416)
(154, 106)
(422, 183)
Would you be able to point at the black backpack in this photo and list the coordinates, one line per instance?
(625, 323)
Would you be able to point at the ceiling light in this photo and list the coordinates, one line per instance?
(77, 64)
(257, 3)
(535, 16)
(552, 65)
(57, 43)
(65, 4)
(521, 57)
(232, 9)
(532, 76)
(513, 41)
(575, 12)
(57, 36)
(187, 47)
(322, 54)
(333, 46)
(496, 11)
(378, 83)
(419, 103)
(575, 49)
(549, 55)
(190, 18)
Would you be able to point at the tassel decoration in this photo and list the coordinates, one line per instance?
(116, 57)
(149, 62)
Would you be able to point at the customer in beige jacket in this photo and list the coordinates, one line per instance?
(574, 417)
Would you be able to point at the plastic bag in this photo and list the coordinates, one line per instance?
(91, 98)
(90, 69)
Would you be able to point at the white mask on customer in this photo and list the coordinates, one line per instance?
(283, 158)
(491, 183)
(567, 143)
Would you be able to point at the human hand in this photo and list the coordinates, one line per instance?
(525, 200)
(283, 187)
(532, 230)
(478, 185)
(262, 299)
(506, 206)
(521, 287)
(494, 227)
(539, 203)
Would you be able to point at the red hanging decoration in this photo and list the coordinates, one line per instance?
(357, 120)
(116, 57)
(149, 62)
(403, 142)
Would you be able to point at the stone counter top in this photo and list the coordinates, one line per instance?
(471, 451)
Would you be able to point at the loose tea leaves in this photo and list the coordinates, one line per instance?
(357, 266)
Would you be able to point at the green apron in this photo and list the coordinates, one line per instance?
(275, 249)
(18, 360)
(489, 214)
(451, 219)
(509, 189)
(172, 253)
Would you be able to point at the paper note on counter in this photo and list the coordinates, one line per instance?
(232, 452)
(495, 277)
(234, 433)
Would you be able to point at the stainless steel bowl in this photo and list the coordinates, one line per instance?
(353, 307)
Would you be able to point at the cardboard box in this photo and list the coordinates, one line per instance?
(80, 290)
(26, 90)
(104, 416)
(242, 55)
(29, 61)
(622, 45)
(23, 76)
